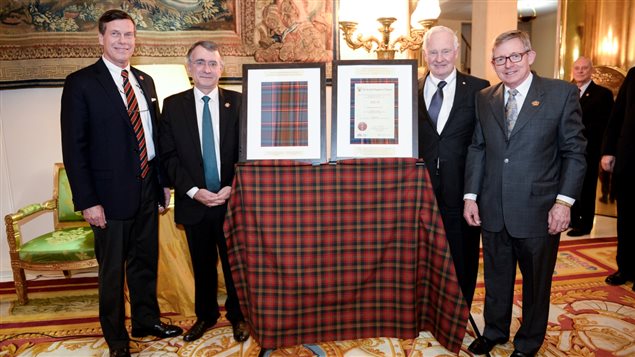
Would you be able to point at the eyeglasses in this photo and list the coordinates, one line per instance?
(201, 63)
(513, 58)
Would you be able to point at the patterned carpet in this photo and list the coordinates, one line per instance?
(587, 318)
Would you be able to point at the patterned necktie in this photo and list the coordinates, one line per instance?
(436, 102)
(135, 120)
(511, 111)
(212, 180)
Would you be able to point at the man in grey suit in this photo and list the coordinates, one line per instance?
(445, 132)
(525, 167)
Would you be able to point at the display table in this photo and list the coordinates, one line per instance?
(339, 252)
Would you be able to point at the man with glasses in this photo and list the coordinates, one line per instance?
(524, 169)
(109, 144)
(446, 124)
(199, 133)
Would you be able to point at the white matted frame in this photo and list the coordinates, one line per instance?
(374, 110)
(283, 113)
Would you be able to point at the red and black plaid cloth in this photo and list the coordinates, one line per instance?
(340, 252)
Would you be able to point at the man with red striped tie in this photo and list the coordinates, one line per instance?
(109, 131)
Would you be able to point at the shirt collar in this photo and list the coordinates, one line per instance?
(114, 68)
(523, 88)
(213, 95)
(584, 87)
(434, 80)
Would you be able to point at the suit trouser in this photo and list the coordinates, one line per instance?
(536, 258)
(625, 196)
(204, 239)
(583, 211)
(128, 250)
(464, 244)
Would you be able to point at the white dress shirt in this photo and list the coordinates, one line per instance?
(430, 88)
(213, 108)
(144, 112)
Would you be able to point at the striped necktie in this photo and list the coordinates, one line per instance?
(135, 120)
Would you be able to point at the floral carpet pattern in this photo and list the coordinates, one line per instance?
(587, 318)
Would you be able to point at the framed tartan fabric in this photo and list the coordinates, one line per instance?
(374, 111)
(283, 114)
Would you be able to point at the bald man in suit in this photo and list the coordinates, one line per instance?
(596, 102)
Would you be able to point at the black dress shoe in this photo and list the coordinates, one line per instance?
(517, 353)
(578, 232)
(120, 352)
(483, 345)
(159, 330)
(617, 278)
(241, 334)
(197, 330)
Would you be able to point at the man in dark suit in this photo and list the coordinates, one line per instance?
(109, 147)
(619, 158)
(525, 167)
(444, 136)
(199, 159)
(597, 103)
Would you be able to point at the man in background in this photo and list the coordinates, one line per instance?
(109, 137)
(596, 103)
(524, 169)
(199, 133)
(446, 125)
(619, 158)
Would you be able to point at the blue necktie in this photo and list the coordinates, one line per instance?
(435, 103)
(209, 150)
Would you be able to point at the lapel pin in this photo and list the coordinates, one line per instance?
(141, 77)
(463, 83)
(227, 105)
(535, 103)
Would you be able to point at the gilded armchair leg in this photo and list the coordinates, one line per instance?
(19, 279)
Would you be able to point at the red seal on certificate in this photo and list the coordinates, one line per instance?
(362, 126)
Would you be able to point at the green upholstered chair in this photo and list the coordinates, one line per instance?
(69, 246)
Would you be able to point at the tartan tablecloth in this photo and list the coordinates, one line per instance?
(339, 252)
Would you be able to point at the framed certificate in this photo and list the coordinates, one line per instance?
(374, 110)
(283, 112)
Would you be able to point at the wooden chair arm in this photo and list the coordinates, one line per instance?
(23, 215)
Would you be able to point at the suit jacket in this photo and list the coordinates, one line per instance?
(100, 151)
(181, 148)
(517, 179)
(450, 146)
(596, 103)
(620, 133)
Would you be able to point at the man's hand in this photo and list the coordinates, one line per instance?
(470, 213)
(608, 163)
(166, 200)
(211, 199)
(95, 216)
(559, 218)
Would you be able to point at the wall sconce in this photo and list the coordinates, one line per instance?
(426, 14)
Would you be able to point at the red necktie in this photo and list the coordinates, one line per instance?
(135, 120)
